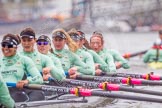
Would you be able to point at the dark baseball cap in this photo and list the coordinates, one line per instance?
(82, 35)
(75, 36)
(10, 40)
(58, 34)
(28, 32)
(44, 38)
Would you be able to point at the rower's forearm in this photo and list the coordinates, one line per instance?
(59, 74)
(86, 71)
(35, 80)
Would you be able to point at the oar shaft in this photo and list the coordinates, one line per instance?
(122, 75)
(129, 81)
(89, 92)
(110, 87)
(128, 55)
(82, 83)
(134, 97)
(98, 78)
(140, 91)
(145, 76)
(152, 82)
(48, 88)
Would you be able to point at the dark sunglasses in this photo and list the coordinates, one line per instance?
(7, 45)
(42, 43)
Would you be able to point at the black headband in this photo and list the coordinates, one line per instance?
(59, 34)
(10, 41)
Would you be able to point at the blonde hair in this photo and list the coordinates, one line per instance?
(70, 43)
(86, 44)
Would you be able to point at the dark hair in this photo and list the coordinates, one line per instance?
(28, 31)
(160, 31)
(97, 34)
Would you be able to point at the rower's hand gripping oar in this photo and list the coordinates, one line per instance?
(149, 76)
(89, 92)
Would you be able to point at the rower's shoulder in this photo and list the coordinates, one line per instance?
(23, 57)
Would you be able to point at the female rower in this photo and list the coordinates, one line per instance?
(160, 37)
(154, 56)
(44, 47)
(42, 62)
(97, 42)
(70, 61)
(15, 67)
(100, 65)
(84, 56)
(5, 98)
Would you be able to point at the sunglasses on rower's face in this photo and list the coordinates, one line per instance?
(42, 43)
(7, 45)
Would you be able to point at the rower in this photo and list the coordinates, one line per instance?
(42, 62)
(44, 47)
(97, 42)
(5, 98)
(71, 63)
(153, 57)
(15, 67)
(84, 56)
(160, 36)
(100, 65)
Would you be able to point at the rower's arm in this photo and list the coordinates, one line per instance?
(35, 76)
(90, 64)
(97, 59)
(5, 98)
(81, 66)
(110, 62)
(117, 57)
(58, 64)
(146, 57)
(55, 72)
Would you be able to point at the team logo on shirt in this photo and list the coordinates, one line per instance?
(37, 61)
(9, 61)
(18, 63)
(9, 72)
(102, 56)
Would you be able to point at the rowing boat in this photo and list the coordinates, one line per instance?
(68, 103)
(155, 65)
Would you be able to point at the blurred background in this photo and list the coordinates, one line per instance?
(127, 26)
(112, 15)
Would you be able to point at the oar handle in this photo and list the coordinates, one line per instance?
(11, 84)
